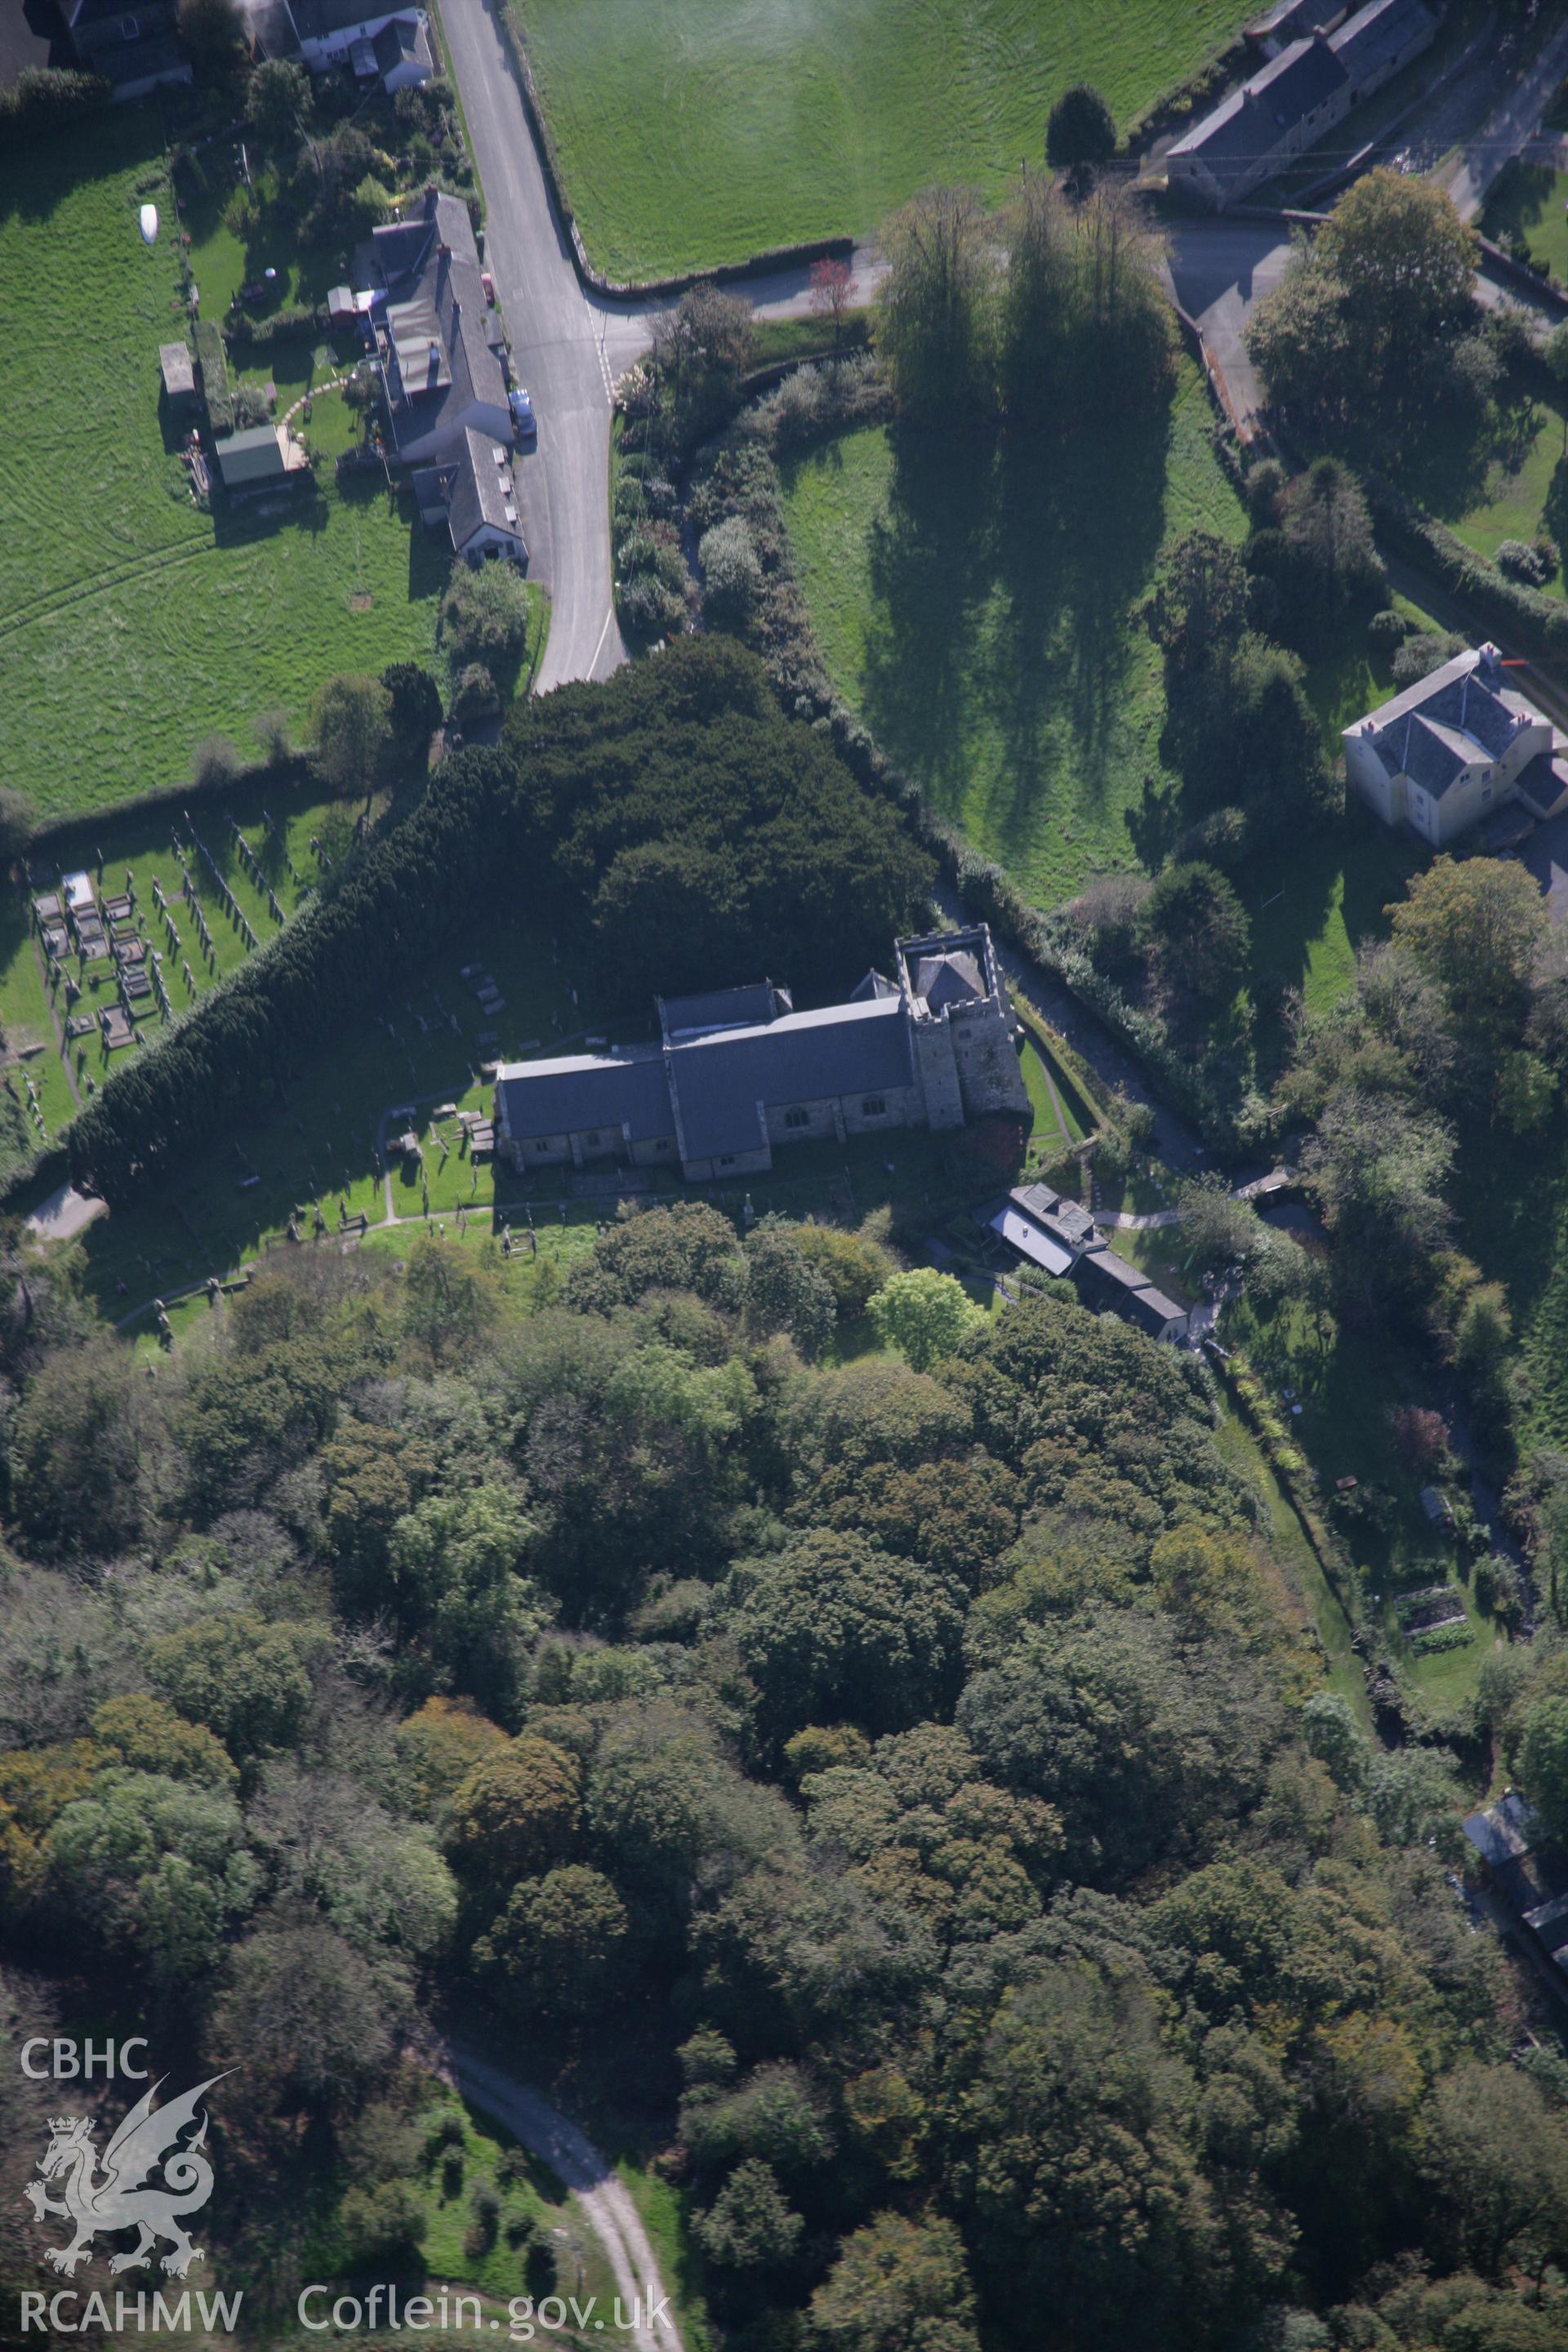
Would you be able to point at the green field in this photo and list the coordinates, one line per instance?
(132, 624)
(974, 607)
(691, 131)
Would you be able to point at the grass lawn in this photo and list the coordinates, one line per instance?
(1313, 903)
(1524, 490)
(689, 132)
(131, 624)
(1301, 1564)
(541, 2240)
(973, 604)
(1530, 200)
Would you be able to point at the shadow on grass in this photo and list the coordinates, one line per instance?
(1002, 573)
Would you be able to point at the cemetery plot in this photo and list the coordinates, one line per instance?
(115, 930)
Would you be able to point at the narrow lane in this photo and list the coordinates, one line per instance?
(557, 339)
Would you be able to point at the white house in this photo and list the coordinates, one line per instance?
(473, 498)
(329, 31)
(1451, 750)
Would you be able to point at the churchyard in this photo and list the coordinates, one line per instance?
(169, 899)
(329, 1167)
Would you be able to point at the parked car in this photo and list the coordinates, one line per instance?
(488, 282)
(524, 423)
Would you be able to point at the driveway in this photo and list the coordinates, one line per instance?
(1506, 131)
(1219, 271)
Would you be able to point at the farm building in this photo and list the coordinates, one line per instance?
(178, 371)
(1312, 80)
(738, 1071)
(1455, 748)
(1059, 1237)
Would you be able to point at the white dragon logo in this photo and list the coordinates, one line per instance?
(116, 2199)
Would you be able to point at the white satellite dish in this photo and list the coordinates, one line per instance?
(149, 223)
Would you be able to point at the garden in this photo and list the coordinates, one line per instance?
(121, 604)
(687, 135)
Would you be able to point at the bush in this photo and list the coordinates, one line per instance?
(1418, 655)
(1499, 1590)
(476, 697)
(214, 763)
(45, 101)
(484, 615)
(731, 575)
(388, 2221)
(1516, 559)
(1262, 490)
(1386, 631)
(250, 406)
(648, 609)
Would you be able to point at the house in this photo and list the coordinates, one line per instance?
(1453, 749)
(438, 339)
(1059, 1237)
(739, 1071)
(264, 457)
(473, 499)
(135, 47)
(403, 53)
(330, 31)
(1313, 78)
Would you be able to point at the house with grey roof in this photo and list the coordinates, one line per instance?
(1276, 114)
(262, 457)
(1058, 1236)
(473, 499)
(1318, 67)
(1381, 40)
(739, 1072)
(346, 33)
(1455, 748)
(438, 339)
(403, 53)
(135, 47)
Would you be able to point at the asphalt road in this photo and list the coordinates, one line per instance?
(558, 352)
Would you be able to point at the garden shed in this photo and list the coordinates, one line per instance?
(178, 371)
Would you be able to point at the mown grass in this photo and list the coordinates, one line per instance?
(974, 605)
(690, 132)
(131, 624)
